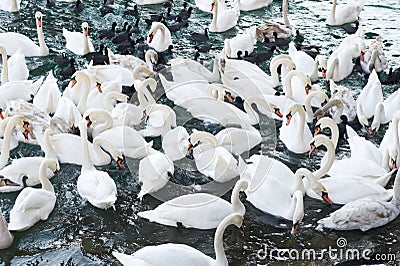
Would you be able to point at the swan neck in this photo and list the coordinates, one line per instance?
(251, 113)
(5, 149)
(330, 156)
(44, 50)
(4, 72)
(47, 147)
(86, 88)
(86, 44)
(87, 161)
(220, 257)
(285, 8)
(46, 184)
(106, 124)
(396, 191)
(237, 204)
(4, 233)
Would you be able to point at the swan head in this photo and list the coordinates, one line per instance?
(85, 28)
(7, 182)
(319, 140)
(38, 17)
(316, 186)
(53, 165)
(390, 156)
(292, 110)
(322, 123)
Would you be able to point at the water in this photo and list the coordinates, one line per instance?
(78, 234)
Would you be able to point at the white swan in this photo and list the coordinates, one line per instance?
(340, 63)
(14, 68)
(344, 188)
(68, 149)
(13, 141)
(129, 114)
(269, 193)
(93, 185)
(213, 160)
(188, 70)
(297, 86)
(48, 95)
(155, 171)
(238, 140)
(126, 139)
(295, 133)
(166, 253)
(224, 19)
(34, 204)
(365, 214)
(10, 6)
(176, 143)
(6, 238)
(204, 5)
(242, 42)
(78, 42)
(160, 119)
(199, 210)
(305, 63)
(384, 111)
(370, 95)
(13, 41)
(79, 90)
(345, 13)
(390, 144)
(17, 90)
(248, 78)
(159, 37)
(14, 121)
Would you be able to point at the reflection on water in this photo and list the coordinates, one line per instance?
(78, 234)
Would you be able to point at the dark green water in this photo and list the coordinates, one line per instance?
(79, 233)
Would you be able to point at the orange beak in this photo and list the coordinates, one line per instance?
(26, 126)
(295, 227)
(288, 119)
(85, 32)
(362, 58)
(312, 149)
(98, 85)
(371, 132)
(278, 112)
(212, 6)
(39, 22)
(229, 97)
(73, 82)
(120, 164)
(1, 114)
(308, 88)
(317, 130)
(326, 198)
(88, 121)
(190, 146)
(151, 37)
(323, 73)
(56, 172)
(393, 166)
